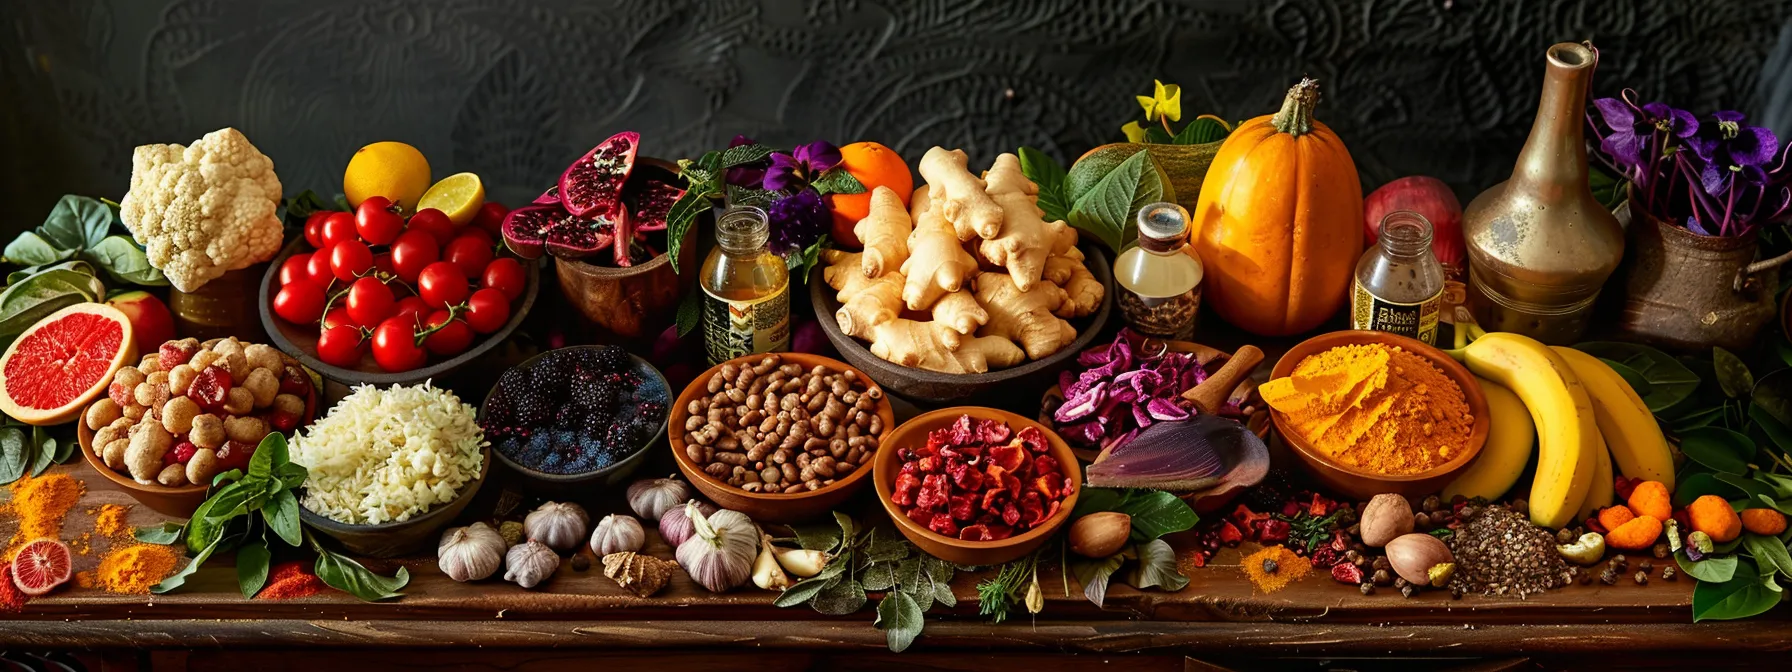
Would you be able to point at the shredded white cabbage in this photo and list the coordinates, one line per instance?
(387, 455)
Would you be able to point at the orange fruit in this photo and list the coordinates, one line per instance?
(875, 166)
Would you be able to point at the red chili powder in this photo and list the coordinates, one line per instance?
(12, 600)
(290, 580)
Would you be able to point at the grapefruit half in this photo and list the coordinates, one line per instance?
(41, 566)
(51, 372)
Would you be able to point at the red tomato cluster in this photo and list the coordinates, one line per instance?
(405, 289)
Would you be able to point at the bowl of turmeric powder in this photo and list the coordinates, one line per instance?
(1370, 412)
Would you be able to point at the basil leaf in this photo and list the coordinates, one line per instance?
(15, 458)
(1106, 210)
(1733, 376)
(1094, 575)
(1748, 593)
(252, 567)
(837, 181)
(179, 578)
(77, 223)
(900, 619)
(299, 207)
(1154, 513)
(124, 262)
(346, 575)
(231, 476)
(282, 515)
(209, 520)
(164, 534)
(1049, 175)
(1769, 552)
(272, 451)
(291, 475)
(1719, 449)
(1709, 570)
(32, 299)
(30, 249)
(1670, 382)
(1157, 568)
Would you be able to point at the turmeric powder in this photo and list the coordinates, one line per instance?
(1374, 407)
(131, 569)
(40, 504)
(1274, 567)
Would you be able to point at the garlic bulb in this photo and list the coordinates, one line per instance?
(675, 524)
(470, 553)
(719, 555)
(766, 572)
(617, 533)
(653, 497)
(530, 563)
(561, 526)
(801, 561)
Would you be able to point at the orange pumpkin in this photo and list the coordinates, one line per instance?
(1279, 222)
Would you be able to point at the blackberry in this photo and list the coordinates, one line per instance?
(532, 409)
(611, 359)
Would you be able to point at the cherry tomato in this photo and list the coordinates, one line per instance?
(340, 345)
(490, 218)
(395, 346)
(452, 339)
(377, 222)
(338, 316)
(350, 258)
(338, 227)
(370, 301)
(441, 284)
(314, 227)
(485, 239)
(300, 302)
(411, 252)
(506, 275)
(296, 267)
(382, 262)
(319, 267)
(470, 251)
(412, 309)
(434, 223)
(487, 310)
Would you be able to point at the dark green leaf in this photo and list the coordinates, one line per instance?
(179, 578)
(208, 521)
(164, 534)
(802, 591)
(1747, 594)
(1049, 175)
(1732, 375)
(745, 154)
(50, 290)
(1106, 211)
(1750, 487)
(939, 570)
(921, 591)
(43, 451)
(817, 536)
(77, 222)
(886, 544)
(291, 475)
(843, 597)
(1776, 432)
(1695, 419)
(1773, 393)
(1202, 131)
(1718, 449)
(1781, 485)
(1606, 188)
(252, 567)
(1711, 569)
(942, 593)
(301, 206)
(1156, 135)
(1154, 513)
(342, 203)
(1768, 552)
(837, 181)
(15, 454)
(282, 515)
(124, 262)
(759, 198)
(1631, 377)
(690, 313)
(346, 575)
(30, 249)
(679, 219)
(1669, 380)
(227, 477)
(879, 576)
(65, 448)
(849, 528)
(1157, 568)
(908, 572)
(1698, 484)
(900, 619)
(1094, 575)
(270, 453)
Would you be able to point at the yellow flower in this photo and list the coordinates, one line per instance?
(1134, 132)
(1165, 102)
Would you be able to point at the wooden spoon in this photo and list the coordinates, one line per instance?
(1210, 395)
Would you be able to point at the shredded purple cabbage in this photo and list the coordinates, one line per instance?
(1123, 389)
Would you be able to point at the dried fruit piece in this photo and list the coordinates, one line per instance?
(211, 388)
(41, 566)
(640, 574)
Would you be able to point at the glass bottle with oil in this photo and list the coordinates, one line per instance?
(1399, 284)
(746, 289)
(1160, 278)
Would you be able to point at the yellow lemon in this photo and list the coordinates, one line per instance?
(391, 169)
(458, 196)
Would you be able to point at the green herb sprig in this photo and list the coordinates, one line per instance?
(870, 560)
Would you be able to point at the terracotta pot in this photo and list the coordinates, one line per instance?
(1685, 291)
(629, 304)
(227, 306)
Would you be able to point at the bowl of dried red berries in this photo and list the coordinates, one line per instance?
(976, 486)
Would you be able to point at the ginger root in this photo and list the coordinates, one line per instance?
(1025, 317)
(936, 263)
(935, 347)
(960, 311)
(864, 302)
(1084, 290)
(1026, 238)
(884, 233)
(961, 195)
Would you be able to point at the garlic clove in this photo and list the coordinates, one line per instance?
(766, 572)
(617, 533)
(651, 498)
(470, 553)
(801, 562)
(560, 526)
(530, 563)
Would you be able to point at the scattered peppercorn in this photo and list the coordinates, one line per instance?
(1401, 582)
(1456, 591)
(1642, 578)
(1432, 503)
(1668, 574)
(1660, 551)
(1421, 521)
(1366, 588)
(1565, 536)
(1382, 577)
(1408, 590)
(1382, 564)
(580, 563)
(1646, 566)
(1620, 560)
(1269, 565)
(1353, 557)
(1608, 576)
(1522, 507)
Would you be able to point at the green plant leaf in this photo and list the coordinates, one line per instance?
(900, 619)
(837, 181)
(206, 525)
(879, 576)
(802, 591)
(1201, 131)
(124, 262)
(1154, 513)
(271, 452)
(1733, 376)
(745, 154)
(842, 596)
(15, 458)
(1773, 393)
(1156, 135)
(1095, 574)
(1669, 380)
(30, 249)
(164, 534)
(1106, 211)
(282, 515)
(1750, 487)
(1719, 449)
(179, 578)
(1631, 377)
(1694, 485)
(291, 475)
(759, 198)
(1711, 569)
(1769, 552)
(1049, 176)
(1780, 485)
(76, 223)
(1695, 419)
(849, 528)
(50, 290)
(301, 206)
(252, 567)
(680, 217)
(1776, 432)
(1157, 568)
(344, 574)
(43, 450)
(1748, 593)
(817, 536)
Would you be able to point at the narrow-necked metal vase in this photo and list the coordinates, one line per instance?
(1539, 245)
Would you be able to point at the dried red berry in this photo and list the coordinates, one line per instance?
(175, 353)
(210, 388)
(293, 381)
(181, 452)
(1345, 572)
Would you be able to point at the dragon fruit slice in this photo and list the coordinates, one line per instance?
(592, 186)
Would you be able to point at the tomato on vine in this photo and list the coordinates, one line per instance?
(451, 336)
(377, 221)
(471, 251)
(395, 346)
(340, 345)
(441, 284)
(349, 259)
(506, 275)
(370, 301)
(314, 227)
(300, 302)
(338, 317)
(296, 267)
(434, 223)
(412, 309)
(338, 227)
(411, 252)
(487, 310)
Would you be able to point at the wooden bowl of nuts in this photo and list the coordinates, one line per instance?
(229, 438)
(734, 451)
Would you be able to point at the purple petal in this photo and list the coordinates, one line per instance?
(1125, 394)
(1685, 124)
(745, 176)
(1164, 409)
(1141, 417)
(1753, 146)
(1617, 113)
(784, 174)
(797, 221)
(819, 156)
(1728, 115)
(1081, 406)
(1086, 433)
(1714, 179)
(1692, 224)
(740, 141)
(1625, 148)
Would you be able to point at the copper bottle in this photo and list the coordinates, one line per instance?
(1539, 245)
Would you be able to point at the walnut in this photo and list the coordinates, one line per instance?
(640, 574)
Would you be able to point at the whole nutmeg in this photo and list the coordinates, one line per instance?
(1421, 559)
(1387, 516)
(1099, 535)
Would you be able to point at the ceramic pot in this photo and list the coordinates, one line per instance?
(227, 306)
(1684, 291)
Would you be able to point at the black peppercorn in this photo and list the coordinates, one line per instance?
(1269, 565)
(1660, 551)
(1366, 588)
(1408, 590)
(1646, 566)
(1458, 499)
(1609, 577)
(1432, 503)
(1401, 582)
(1381, 564)
(1642, 578)
(1521, 507)
(580, 563)
(1565, 536)
(1456, 592)
(1668, 574)
(1382, 577)
(1421, 521)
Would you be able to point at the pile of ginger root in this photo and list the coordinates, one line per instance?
(967, 278)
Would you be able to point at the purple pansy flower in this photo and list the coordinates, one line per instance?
(792, 172)
(1727, 147)
(1633, 129)
(797, 221)
(745, 175)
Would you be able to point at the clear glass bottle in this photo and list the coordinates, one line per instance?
(1399, 284)
(746, 303)
(1160, 278)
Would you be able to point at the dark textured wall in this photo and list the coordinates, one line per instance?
(515, 90)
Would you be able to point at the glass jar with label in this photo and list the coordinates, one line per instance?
(746, 288)
(1160, 278)
(1399, 284)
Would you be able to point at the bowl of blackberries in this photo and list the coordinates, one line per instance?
(576, 417)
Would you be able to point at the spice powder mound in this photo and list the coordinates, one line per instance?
(1499, 552)
(131, 570)
(1374, 407)
(1274, 567)
(41, 505)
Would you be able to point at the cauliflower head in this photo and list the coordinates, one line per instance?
(203, 209)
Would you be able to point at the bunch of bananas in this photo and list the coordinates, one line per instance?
(1582, 415)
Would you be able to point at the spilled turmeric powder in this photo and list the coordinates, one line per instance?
(1374, 407)
(131, 569)
(109, 521)
(1274, 567)
(40, 504)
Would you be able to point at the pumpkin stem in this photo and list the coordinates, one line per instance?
(1296, 117)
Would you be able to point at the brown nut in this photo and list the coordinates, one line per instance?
(1099, 535)
(1421, 559)
(112, 453)
(246, 429)
(263, 385)
(180, 378)
(129, 377)
(173, 475)
(263, 356)
(289, 403)
(143, 457)
(238, 366)
(1387, 516)
(207, 432)
(178, 414)
(202, 359)
(102, 413)
(150, 362)
(240, 401)
(203, 466)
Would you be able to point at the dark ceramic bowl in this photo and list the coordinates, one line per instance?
(391, 540)
(300, 341)
(928, 388)
(615, 475)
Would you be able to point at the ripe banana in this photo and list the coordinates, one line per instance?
(1568, 434)
(1599, 495)
(1510, 438)
(1629, 428)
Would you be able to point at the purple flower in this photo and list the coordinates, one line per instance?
(797, 222)
(1729, 148)
(745, 175)
(1634, 129)
(792, 172)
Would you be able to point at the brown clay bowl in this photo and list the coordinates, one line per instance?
(767, 507)
(981, 553)
(177, 501)
(932, 389)
(391, 540)
(1360, 484)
